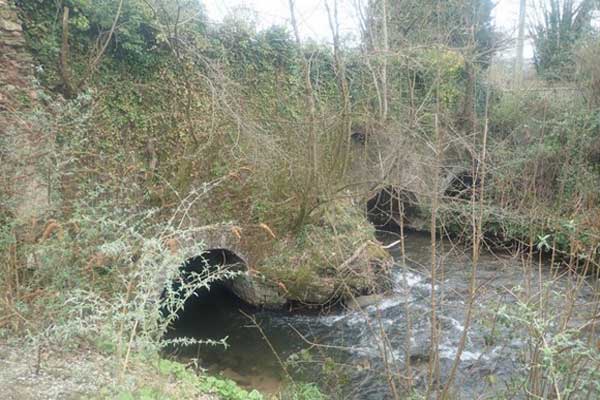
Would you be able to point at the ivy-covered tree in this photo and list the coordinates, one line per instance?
(561, 26)
(82, 35)
(456, 23)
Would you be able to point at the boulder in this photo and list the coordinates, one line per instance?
(257, 292)
(356, 303)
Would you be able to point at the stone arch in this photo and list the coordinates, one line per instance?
(236, 241)
(216, 256)
(221, 236)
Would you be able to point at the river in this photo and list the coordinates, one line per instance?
(351, 353)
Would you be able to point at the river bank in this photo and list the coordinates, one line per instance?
(34, 372)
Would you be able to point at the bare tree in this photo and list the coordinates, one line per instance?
(71, 88)
(312, 134)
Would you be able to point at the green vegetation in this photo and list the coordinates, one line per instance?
(188, 383)
(224, 388)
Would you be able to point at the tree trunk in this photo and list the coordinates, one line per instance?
(65, 67)
(520, 44)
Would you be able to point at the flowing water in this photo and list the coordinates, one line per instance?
(351, 352)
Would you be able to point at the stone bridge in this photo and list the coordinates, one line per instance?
(409, 175)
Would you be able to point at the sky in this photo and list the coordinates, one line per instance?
(312, 17)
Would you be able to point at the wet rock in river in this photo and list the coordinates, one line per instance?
(356, 303)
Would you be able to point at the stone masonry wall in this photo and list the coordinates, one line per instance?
(23, 142)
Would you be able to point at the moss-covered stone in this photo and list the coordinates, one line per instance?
(333, 258)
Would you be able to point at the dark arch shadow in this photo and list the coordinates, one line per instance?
(206, 312)
(463, 186)
(211, 265)
(389, 206)
(216, 313)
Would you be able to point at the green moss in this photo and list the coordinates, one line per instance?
(322, 259)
